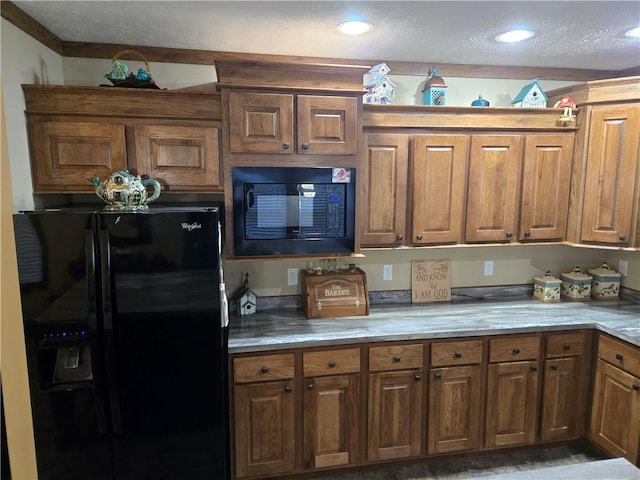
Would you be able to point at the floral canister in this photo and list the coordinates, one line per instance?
(546, 288)
(576, 285)
(606, 282)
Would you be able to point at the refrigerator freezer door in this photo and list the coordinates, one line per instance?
(162, 328)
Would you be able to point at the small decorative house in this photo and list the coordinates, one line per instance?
(435, 90)
(531, 96)
(244, 299)
(380, 88)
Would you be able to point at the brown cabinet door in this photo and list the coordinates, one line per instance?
(261, 122)
(65, 154)
(561, 398)
(454, 409)
(331, 421)
(438, 175)
(611, 183)
(395, 415)
(615, 414)
(494, 172)
(383, 186)
(264, 422)
(327, 125)
(512, 403)
(179, 157)
(545, 187)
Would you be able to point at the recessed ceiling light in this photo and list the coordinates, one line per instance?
(514, 36)
(633, 33)
(355, 27)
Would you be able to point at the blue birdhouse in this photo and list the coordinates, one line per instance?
(435, 90)
(531, 96)
(380, 88)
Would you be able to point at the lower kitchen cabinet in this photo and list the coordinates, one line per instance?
(615, 413)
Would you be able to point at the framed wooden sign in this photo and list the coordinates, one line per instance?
(430, 281)
(336, 294)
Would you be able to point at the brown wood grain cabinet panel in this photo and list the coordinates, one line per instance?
(545, 186)
(261, 368)
(622, 355)
(561, 398)
(383, 186)
(610, 212)
(331, 362)
(331, 417)
(438, 176)
(526, 347)
(327, 124)
(395, 357)
(492, 195)
(566, 344)
(459, 352)
(264, 420)
(455, 414)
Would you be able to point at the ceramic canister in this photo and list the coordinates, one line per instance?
(576, 285)
(606, 282)
(546, 288)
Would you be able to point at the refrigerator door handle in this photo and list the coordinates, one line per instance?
(109, 333)
(98, 391)
(224, 303)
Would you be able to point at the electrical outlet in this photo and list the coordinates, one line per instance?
(488, 268)
(623, 267)
(387, 272)
(292, 276)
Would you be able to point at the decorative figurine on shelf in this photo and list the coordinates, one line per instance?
(380, 88)
(568, 104)
(480, 102)
(124, 191)
(435, 89)
(244, 299)
(531, 96)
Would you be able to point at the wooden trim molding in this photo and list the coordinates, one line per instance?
(209, 57)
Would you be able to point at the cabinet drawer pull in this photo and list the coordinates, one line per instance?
(438, 376)
(566, 346)
(535, 369)
(636, 387)
(458, 355)
(305, 146)
(287, 389)
(509, 234)
(622, 237)
(419, 237)
(527, 234)
(554, 367)
(400, 237)
(396, 359)
(516, 351)
(285, 146)
(264, 369)
(418, 378)
(619, 356)
(309, 387)
(332, 364)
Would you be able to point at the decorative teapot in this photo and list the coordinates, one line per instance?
(124, 191)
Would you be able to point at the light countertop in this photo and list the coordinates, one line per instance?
(283, 329)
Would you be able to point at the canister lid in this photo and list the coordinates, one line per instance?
(547, 278)
(604, 271)
(577, 275)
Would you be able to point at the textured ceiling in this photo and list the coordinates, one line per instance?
(570, 34)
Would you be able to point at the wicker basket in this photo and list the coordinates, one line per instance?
(120, 76)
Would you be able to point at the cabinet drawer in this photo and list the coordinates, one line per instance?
(331, 362)
(514, 348)
(619, 354)
(262, 368)
(565, 344)
(456, 353)
(395, 357)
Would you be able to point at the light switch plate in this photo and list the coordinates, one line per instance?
(488, 268)
(292, 276)
(387, 272)
(623, 267)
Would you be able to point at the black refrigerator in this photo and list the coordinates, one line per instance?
(125, 324)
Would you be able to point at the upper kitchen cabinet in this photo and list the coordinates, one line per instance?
(81, 132)
(605, 192)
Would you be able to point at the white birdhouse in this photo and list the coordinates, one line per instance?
(531, 96)
(380, 88)
(244, 299)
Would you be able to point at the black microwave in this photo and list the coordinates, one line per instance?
(293, 210)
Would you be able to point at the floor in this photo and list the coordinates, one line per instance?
(479, 466)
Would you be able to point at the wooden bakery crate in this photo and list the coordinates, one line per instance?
(335, 294)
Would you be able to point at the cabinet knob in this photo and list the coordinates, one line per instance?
(527, 234)
(636, 387)
(305, 146)
(566, 346)
(516, 350)
(264, 369)
(396, 359)
(418, 378)
(554, 367)
(419, 237)
(534, 369)
(438, 376)
(285, 146)
(458, 355)
(332, 364)
(622, 237)
(309, 387)
(509, 234)
(400, 237)
(619, 356)
(287, 389)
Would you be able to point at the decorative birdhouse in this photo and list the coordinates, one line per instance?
(244, 299)
(531, 96)
(435, 90)
(380, 88)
